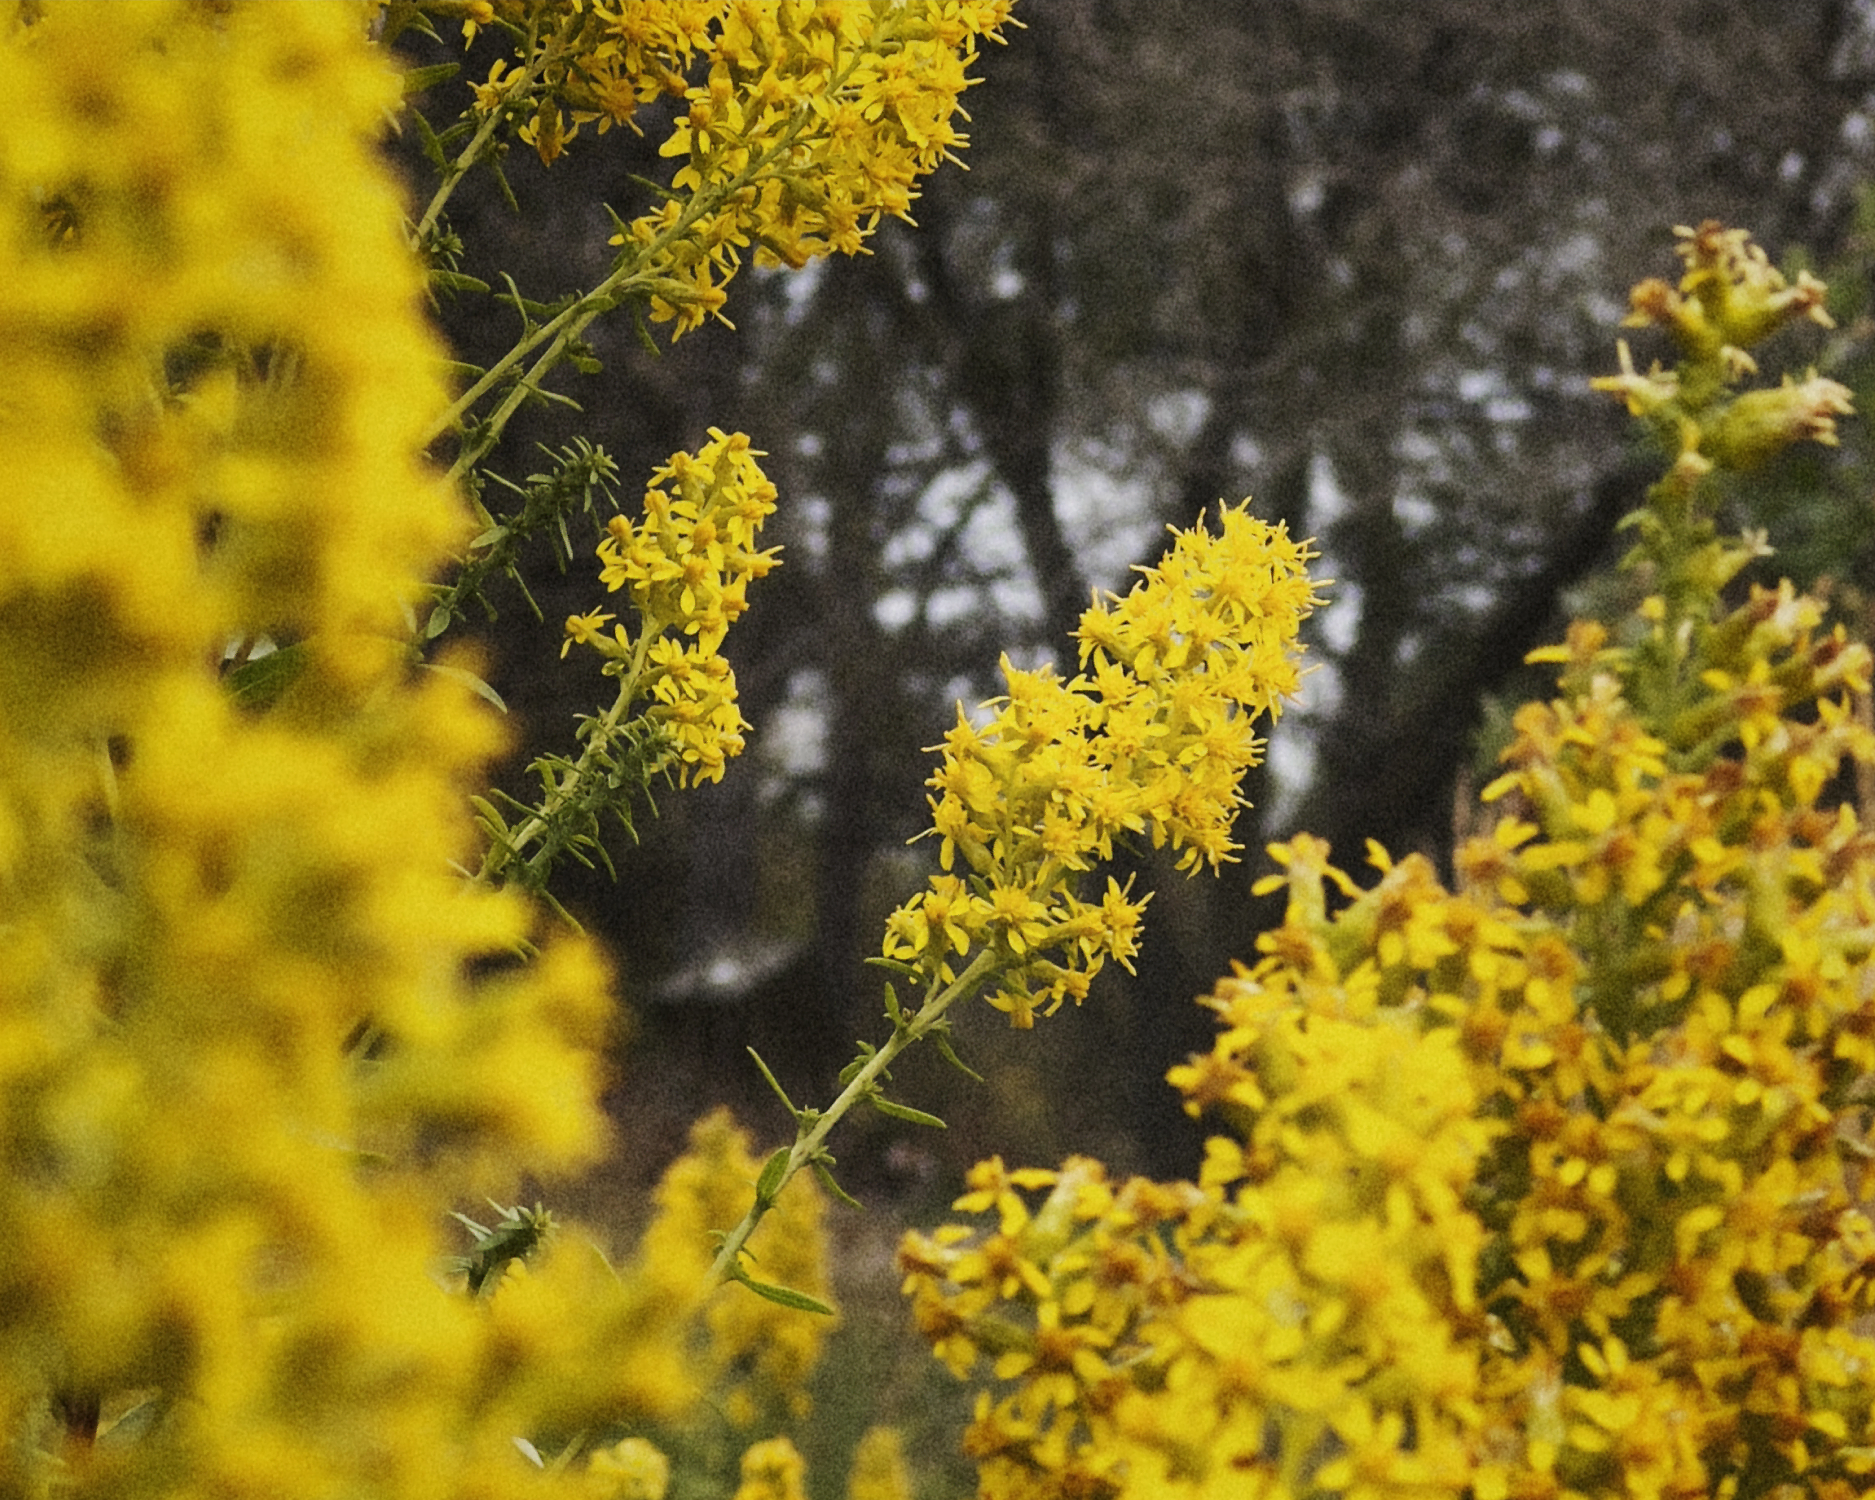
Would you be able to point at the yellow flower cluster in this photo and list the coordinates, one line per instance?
(1551, 1187)
(687, 564)
(1152, 737)
(811, 123)
(808, 124)
(1288, 1324)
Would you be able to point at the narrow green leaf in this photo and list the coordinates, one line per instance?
(780, 1092)
(942, 1037)
(785, 1296)
(258, 683)
(905, 1112)
(426, 138)
(644, 331)
(773, 1171)
(851, 1070)
(455, 281)
(892, 1011)
(419, 79)
(468, 680)
(826, 1181)
(439, 621)
(501, 181)
(897, 966)
(656, 187)
(491, 815)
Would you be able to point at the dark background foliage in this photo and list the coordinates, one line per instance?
(1356, 261)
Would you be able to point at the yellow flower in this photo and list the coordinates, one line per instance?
(1153, 737)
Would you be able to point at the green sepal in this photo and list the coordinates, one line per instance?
(774, 1172)
(905, 1112)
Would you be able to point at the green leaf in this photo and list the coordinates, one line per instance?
(439, 621)
(941, 1035)
(468, 680)
(897, 966)
(455, 281)
(780, 1092)
(426, 138)
(419, 79)
(905, 1112)
(826, 1181)
(656, 187)
(259, 683)
(851, 1070)
(785, 1296)
(773, 1172)
(501, 181)
(132, 1424)
(893, 1012)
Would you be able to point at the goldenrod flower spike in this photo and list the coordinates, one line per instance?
(1151, 738)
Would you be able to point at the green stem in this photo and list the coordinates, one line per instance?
(813, 1128)
(470, 154)
(539, 822)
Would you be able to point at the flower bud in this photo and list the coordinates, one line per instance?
(1759, 424)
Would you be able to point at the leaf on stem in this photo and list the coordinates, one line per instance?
(785, 1296)
(467, 679)
(780, 1092)
(905, 1112)
(941, 1035)
(827, 1181)
(774, 1172)
(426, 138)
(419, 79)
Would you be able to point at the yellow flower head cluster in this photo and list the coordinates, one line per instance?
(1551, 1187)
(1290, 1322)
(811, 122)
(1152, 737)
(687, 563)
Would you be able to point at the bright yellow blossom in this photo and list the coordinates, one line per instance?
(1152, 737)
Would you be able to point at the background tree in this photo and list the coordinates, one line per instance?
(1356, 266)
